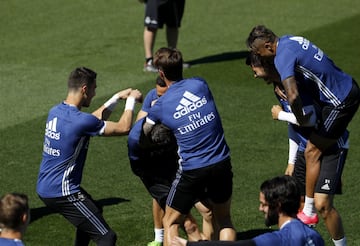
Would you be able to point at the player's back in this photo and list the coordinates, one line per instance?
(189, 110)
(293, 233)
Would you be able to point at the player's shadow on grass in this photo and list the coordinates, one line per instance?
(226, 56)
(251, 233)
(37, 213)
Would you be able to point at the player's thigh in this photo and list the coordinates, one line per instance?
(332, 165)
(185, 190)
(151, 19)
(172, 12)
(220, 182)
(300, 171)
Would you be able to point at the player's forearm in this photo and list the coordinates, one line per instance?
(123, 126)
(106, 109)
(297, 109)
(293, 148)
(126, 119)
(294, 100)
(288, 117)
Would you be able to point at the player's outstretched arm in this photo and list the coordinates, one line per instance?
(123, 126)
(106, 109)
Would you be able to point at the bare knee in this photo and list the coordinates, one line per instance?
(324, 206)
(190, 226)
(207, 214)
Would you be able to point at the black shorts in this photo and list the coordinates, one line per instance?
(157, 176)
(83, 212)
(334, 120)
(160, 12)
(329, 180)
(213, 182)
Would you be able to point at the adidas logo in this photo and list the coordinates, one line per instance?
(50, 130)
(188, 103)
(302, 41)
(326, 186)
(148, 20)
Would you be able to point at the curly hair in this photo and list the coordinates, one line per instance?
(282, 193)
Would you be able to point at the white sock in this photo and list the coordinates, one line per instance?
(340, 242)
(159, 235)
(309, 207)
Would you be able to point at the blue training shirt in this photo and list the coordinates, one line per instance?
(300, 135)
(133, 141)
(134, 134)
(297, 133)
(189, 110)
(66, 141)
(10, 242)
(294, 233)
(297, 54)
(149, 98)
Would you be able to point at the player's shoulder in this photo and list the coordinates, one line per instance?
(11, 242)
(151, 93)
(195, 82)
(197, 78)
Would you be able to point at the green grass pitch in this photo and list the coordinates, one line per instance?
(42, 41)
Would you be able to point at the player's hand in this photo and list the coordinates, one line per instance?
(275, 110)
(137, 95)
(289, 169)
(124, 93)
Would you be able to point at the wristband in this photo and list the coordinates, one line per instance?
(288, 117)
(112, 102)
(130, 103)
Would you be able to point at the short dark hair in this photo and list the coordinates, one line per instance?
(282, 192)
(253, 59)
(161, 135)
(260, 32)
(256, 60)
(160, 82)
(170, 61)
(159, 142)
(12, 208)
(81, 76)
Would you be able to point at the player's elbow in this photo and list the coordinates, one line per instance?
(117, 129)
(122, 129)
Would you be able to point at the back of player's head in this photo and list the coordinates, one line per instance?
(161, 135)
(282, 193)
(13, 207)
(160, 82)
(260, 32)
(81, 76)
(170, 62)
(253, 60)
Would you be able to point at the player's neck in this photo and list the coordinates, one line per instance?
(10, 234)
(284, 219)
(73, 99)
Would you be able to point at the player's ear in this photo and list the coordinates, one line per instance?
(25, 218)
(162, 74)
(84, 89)
(268, 45)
